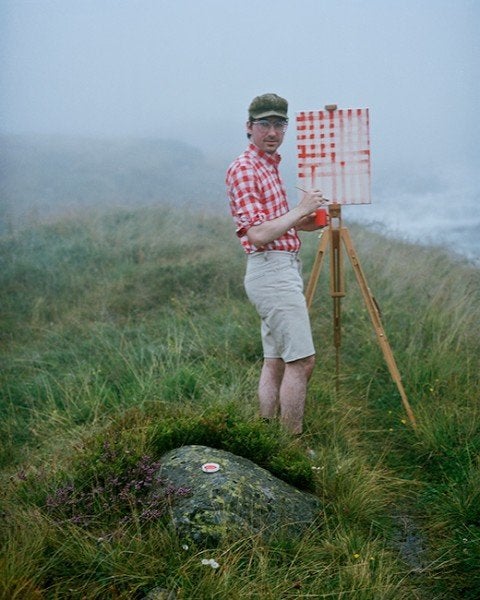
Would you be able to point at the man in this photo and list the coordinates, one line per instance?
(267, 229)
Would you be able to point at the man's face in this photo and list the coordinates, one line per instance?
(268, 133)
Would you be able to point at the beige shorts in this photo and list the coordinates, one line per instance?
(274, 285)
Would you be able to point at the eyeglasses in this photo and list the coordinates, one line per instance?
(265, 125)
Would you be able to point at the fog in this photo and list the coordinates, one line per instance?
(187, 70)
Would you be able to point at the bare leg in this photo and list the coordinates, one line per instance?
(269, 386)
(293, 391)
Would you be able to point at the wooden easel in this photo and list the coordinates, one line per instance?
(333, 236)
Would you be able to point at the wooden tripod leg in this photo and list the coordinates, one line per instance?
(374, 312)
(337, 291)
(317, 265)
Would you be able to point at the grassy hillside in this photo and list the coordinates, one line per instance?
(127, 333)
(41, 176)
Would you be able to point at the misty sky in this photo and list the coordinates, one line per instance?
(188, 69)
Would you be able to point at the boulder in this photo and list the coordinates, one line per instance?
(232, 496)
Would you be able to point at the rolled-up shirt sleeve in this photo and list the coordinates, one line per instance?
(245, 195)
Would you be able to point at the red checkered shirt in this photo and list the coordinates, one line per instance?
(257, 194)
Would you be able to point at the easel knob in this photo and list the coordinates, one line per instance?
(335, 210)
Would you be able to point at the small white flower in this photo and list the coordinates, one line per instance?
(210, 562)
(185, 547)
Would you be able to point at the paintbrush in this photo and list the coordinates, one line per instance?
(325, 200)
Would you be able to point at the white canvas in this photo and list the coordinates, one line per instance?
(333, 152)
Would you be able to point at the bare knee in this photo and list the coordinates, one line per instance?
(274, 367)
(304, 365)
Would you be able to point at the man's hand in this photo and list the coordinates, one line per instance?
(311, 201)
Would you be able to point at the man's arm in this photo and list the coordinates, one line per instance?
(299, 216)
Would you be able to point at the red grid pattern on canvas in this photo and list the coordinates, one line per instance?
(333, 151)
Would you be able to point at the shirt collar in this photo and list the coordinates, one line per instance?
(273, 159)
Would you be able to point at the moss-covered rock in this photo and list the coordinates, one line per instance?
(240, 498)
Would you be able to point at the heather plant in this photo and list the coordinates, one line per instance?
(114, 498)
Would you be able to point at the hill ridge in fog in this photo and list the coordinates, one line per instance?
(42, 175)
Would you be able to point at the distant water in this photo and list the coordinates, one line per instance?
(442, 217)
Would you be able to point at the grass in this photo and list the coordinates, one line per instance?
(127, 333)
